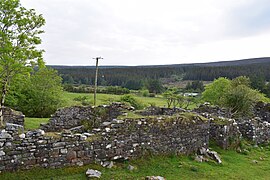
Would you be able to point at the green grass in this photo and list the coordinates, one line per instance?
(234, 166)
(33, 123)
(108, 98)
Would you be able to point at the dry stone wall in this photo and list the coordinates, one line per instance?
(114, 139)
(255, 130)
(225, 132)
(111, 138)
(12, 116)
(71, 117)
(155, 111)
(262, 111)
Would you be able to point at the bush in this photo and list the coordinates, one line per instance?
(80, 98)
(235, 95)
(41, 94)
(116, 90)
(145, 92)
(132, 101)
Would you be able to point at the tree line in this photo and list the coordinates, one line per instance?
(134, 77)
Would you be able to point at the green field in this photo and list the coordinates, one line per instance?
(33, 123)
(108, 98)
(235, 166)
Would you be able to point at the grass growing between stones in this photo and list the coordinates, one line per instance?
(34, 123)
(254, 165)
(130, 115)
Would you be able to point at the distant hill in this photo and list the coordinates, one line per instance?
(129, 75)
(241, 62)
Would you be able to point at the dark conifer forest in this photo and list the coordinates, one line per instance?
(132, 77)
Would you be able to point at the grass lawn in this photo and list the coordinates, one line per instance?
(33, 123)
(234, 166)
(108, 98)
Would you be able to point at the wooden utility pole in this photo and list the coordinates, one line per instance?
(95, 88)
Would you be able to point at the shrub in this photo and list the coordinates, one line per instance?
(132, 101)
(80, 98)
(145, 92)
(235, 95)
(116, 90)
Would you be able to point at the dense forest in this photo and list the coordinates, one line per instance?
(132, 77)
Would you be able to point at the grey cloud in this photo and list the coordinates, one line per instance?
(78, 30)
(251, 18)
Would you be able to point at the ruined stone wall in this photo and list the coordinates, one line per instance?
(224, 132)
(114, 139)
(155, 111)
(12, 116)
(255, 130)
(262, 111)
(70, 117)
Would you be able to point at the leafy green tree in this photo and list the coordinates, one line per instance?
(258, 82)
(42, 94)
(169, 95)
(266, 90)
(195, 86)
(241, 99)
(216, 91)
(134, 84)
(19, 36)
(241, 80)
(235, 95)
(176, 99)
(144, 92)
(154, 86)
(132, 101)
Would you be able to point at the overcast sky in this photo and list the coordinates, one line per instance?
(149, 32)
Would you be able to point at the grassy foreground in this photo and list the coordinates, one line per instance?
(254, 165)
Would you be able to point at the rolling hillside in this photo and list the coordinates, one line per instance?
(123, 75)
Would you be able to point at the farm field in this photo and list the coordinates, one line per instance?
(108, 98)
(253, 165)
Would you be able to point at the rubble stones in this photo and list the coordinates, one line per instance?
(154, 178)
(130, 167)
(207, 153)
(199, 158)
(14, 127)
(22, 136)
(262, 111)
(4, 135)
(214, 155)
(91, 173)
(108, 164)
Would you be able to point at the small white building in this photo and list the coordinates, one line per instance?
(191, 94)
